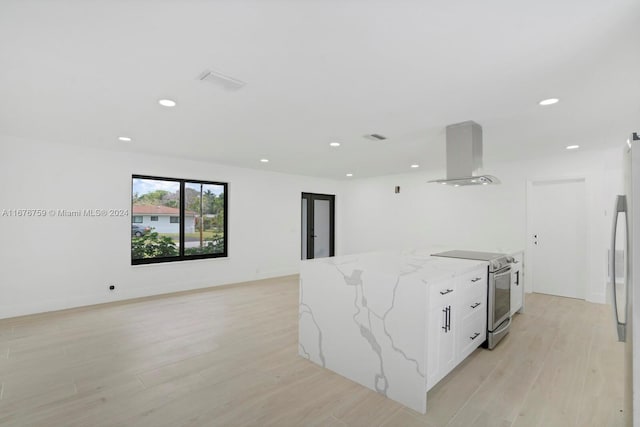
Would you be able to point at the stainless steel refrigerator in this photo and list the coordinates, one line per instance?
(625, 282)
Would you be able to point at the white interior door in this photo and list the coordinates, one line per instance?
(557, 227)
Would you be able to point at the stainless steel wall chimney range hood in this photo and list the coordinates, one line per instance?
(464, 156)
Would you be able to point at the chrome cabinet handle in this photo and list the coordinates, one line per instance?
(476, 335)
(446, 292)
(447, 318)
(476, 279)
(475, 305)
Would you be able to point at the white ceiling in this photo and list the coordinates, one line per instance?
(86, 72)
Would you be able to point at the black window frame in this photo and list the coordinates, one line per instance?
(181, 256)
(133, 219)
(154, 218)
(172, 217)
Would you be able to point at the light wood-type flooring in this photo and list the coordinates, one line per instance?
(228, 357)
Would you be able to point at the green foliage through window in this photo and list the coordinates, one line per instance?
(153, 245)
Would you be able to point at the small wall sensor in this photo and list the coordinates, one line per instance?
(397, 189)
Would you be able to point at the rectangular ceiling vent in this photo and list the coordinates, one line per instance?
(224, 81)
(375, 137)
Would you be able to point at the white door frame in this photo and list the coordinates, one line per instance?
(528, 255)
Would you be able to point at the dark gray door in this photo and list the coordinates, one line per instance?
(318, 225)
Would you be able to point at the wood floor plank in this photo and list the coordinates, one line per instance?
(228, 356)
(455, 390)
(603, 393)
(554, 398)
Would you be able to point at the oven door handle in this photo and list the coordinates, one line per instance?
(503, 271)
(504, 328)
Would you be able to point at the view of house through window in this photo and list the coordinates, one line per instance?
(206, 203)
(174, 219)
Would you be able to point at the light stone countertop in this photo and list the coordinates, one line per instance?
(415, 262)
(365, 317)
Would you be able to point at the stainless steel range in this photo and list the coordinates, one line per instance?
(499, 292)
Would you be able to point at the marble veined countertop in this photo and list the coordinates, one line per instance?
(365, 317)
(415, 262)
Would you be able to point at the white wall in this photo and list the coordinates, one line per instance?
(54, 263)
(489, 218)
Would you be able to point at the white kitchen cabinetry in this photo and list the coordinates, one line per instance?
(441, 356)
(457, 322)
(472, 312)
(517, 283)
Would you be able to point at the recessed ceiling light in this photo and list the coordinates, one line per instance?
(415, 166)
(334, 144)
(349, 174)
(264, 160)
(549, 101)
(167, 102)
(456, 185)
(485, 183)
(124, 139)
(572, 147)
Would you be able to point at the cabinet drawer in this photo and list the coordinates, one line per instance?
(442, 293)
(472, 333)
(473, 303)
(474, 280)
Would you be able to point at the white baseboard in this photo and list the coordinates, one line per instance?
(598, 298)
(126, 293)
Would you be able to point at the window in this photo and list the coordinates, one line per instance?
(196, 227)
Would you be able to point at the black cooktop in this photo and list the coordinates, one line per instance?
(481, 256)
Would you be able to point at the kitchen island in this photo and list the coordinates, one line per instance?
(395, 322)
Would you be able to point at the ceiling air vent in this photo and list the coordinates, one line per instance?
(375, 137)
(224, 81)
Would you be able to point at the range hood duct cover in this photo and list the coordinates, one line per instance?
(464, 156)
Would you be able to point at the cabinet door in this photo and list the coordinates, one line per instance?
(448, 341)
(517, 284)
(441, 344)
